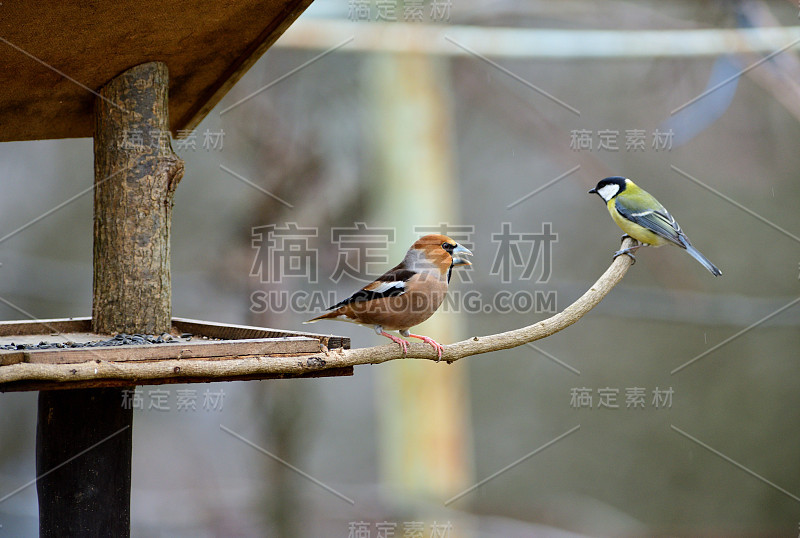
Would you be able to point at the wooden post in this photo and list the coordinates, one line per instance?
(135, 173)
(83, 438)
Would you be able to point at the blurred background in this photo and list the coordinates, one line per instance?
(668, 410)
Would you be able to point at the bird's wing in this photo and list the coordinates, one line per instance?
(658, 221)
(389, 284)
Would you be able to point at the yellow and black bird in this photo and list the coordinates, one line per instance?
(641, 217)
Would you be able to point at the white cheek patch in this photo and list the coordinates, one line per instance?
(607, 192)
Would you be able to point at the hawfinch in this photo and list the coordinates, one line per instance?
(406, 295)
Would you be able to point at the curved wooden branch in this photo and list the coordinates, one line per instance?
(509, 339)
(209, 370)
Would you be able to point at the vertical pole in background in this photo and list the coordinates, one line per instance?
(84, 436)
(424, 407)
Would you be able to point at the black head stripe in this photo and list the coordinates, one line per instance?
(613, 180)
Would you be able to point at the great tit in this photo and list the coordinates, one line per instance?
(641, 217)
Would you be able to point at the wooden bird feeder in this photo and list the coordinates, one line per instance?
(191, 341)
(104, 69)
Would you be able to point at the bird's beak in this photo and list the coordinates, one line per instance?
(593, 191)
(458, 252)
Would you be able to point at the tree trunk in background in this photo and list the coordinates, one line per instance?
(136, 173)
(424, 407)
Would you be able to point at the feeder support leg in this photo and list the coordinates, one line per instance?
(84, 436)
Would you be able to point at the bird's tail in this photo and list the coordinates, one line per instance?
(713, 269)
(326, 315)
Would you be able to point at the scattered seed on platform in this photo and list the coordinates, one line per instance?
(120, 339)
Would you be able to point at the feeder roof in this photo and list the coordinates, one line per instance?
(55, 54)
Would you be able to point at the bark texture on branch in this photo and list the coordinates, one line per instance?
(136, 173)
(140, 373)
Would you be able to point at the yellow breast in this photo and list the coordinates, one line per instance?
(640, 233)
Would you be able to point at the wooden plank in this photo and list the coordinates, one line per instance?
(237, 340)
(208, 46)
(21, 386)
(150, 352)
(230, 331)
(224, 331)
(46, 326)
(11, 357)
(63, 338)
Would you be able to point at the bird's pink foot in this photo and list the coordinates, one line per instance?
(428, 340)
(403, 343)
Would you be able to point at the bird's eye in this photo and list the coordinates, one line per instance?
(447, 246)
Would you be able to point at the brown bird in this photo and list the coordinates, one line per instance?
(406, 295)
